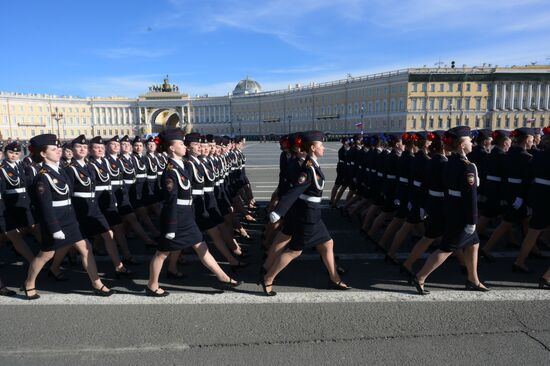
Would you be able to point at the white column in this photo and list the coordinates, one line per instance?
(503, 97)
(495, 89)
(529, 96)
(512, 96)
(539, 90)
(547, 97)
(521, 96)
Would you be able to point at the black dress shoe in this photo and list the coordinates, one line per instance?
(130, 262)
(487, 256)
(102, 293)
(470, 286)
(31, 297)
(126, 274)
(231, 283)
(420, 287)
(177, 275)
(58, 277)
(267, 293)
(151, 293)
(4, 291)
(337, 286)
(543, 283)
(520, 269)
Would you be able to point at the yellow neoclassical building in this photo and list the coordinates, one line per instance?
(409, 99)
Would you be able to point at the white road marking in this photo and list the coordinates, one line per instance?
(314, 297)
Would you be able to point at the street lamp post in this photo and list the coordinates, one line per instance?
(57, 115)
(362, 113)
(289, 120)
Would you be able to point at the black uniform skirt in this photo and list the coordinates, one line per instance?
(202, 217)
(288, 223)
(213, 211)
(187, 231)
(69, 225)
(434, 223)
(135, 193)
(91, 223)
(123, 201)
(340, 175)
(18, 217)
(455, 238)
(307, 233)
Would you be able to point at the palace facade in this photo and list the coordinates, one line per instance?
(409, 99)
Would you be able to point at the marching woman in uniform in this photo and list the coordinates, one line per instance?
(202, 216)
(339, 183)
(460, 209)
(4, 291)
(151, 187)
(85, 184)
(17, 201)
(51, 195)
(433, 203)
(122, 172)
(517, 169)
(539, 201)
(67, 155)
(309, 229)
(178, 227)
(137, 189)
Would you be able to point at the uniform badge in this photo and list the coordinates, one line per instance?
(169, 184)
(55, 181)
(471, 179)
(302, 178)
(82, 175)
(10, 174)
(40, 188)
(113, 165)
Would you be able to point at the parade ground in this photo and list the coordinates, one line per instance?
(381, 320)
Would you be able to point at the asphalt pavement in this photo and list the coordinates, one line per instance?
(380, 321)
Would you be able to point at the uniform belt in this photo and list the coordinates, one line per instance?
(102, 188)
(360, 166)
(217, 183)
(66, 202)
(417, 183)
(436, 193)
(220, 181)
(390, 176)
(368, 169)
(514, 180)
(341, 161)
(84, 194)
(129, 181)
(209, 189)
(185, 202)
(242, 166)
(16, 190)
(159, 173)
(493, 178)
(352, 163)
(141, 175)
(305, 197)
(546, 182)
(454, 193)
(116, 182)
(403, 180)
(373, 170)
(197, 192)
(152, 177)
(380, 174)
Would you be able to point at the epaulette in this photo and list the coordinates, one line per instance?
(43, 171)
(309, 164)
(467, 162)
(170, 166)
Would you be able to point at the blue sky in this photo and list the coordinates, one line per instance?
(116, 47)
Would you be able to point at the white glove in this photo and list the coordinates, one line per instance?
(170, 236)
(469, 229)
(273, 217)
(422, 213)
(59, 235)
(517, 203)
(397, 202)
(409, 206)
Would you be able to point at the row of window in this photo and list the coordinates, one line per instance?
(448, 87)
(448, 104)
